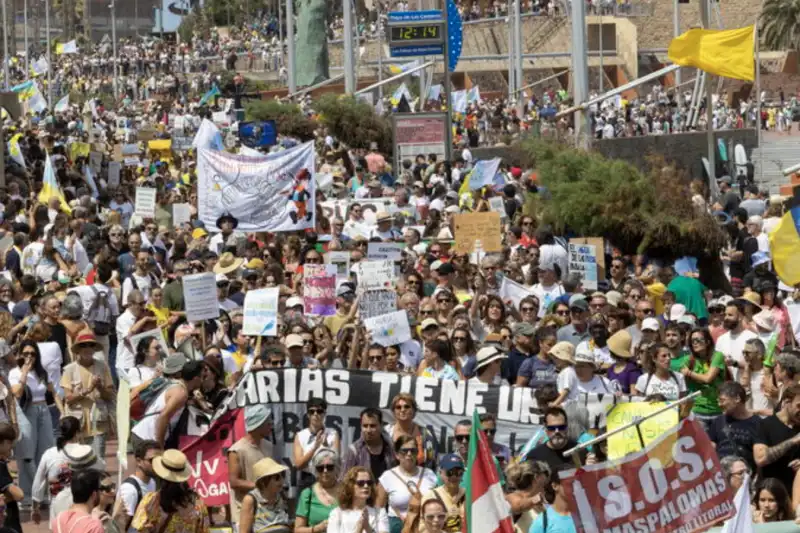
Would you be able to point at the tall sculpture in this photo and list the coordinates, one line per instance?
(312, 42)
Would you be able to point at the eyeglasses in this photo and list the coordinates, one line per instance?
(275, 363)
(375, 358)
(108, 488)
(316, 411)
(455, 472)
(698, 340)
(459, 339)
(439, 517)
(562, 427)
(364, 483)
(461, 438)
(326, 468)
(402, 407)
(490, 432)
(408, 451)
(527, 309)
(739, 474)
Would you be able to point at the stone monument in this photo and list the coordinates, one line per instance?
(312, 42)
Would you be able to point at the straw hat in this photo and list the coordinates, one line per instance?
(765, 320)
(751, 297)
(564, 351)
(383, 216)
(86, 338)
(620, 344)
(267, 467)
(227, 263)
(172, 466)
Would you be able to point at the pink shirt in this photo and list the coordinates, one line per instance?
(77, 522)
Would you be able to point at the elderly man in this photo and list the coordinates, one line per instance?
(755, 226)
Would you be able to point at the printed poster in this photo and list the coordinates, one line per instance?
(271, 193)
(319, 290)
(261, 312)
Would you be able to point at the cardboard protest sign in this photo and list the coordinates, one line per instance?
(583, 261)
(380, 251)
(261, 312)
(181, 213)
(123, 420)
(473, 228)
(342, 262)
(96, 162)
(497, 205)
(376, 303)
(375, 275)
(389, 329)
(145, 202)
(319, 290)
(675, 484)
(628, 441)
(200, 296)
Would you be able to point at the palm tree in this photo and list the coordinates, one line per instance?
(780, 24)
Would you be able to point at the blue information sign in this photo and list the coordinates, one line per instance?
(415, 16)
(412, 51)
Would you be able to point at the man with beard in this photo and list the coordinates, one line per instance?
(731, 343)
(552, 451)
(776, 451)
(134, 488)
(596, 344)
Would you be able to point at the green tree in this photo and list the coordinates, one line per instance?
(354, 121)
(289, 118)
(780, 24)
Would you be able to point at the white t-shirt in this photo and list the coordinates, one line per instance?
(140, 374)
(395, 483)
(38, 388)
(568, 379)
(602, 356)
(307, 440)
(758, 401)
(732, 345)
(547, 295)
(130, 499)
(51, 361)
(671, 388)
(341, 521)
(410, 353)
(126, 358)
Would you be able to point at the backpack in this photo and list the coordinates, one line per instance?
(99, 314)
(132, 482)
(142, 397)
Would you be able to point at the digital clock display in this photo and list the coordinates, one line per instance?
(416, 33)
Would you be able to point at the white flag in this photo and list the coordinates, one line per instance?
(62, 104)
(742, 522)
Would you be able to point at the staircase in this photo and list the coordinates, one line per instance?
(775, 153)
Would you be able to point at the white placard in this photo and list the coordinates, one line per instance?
(200, 296)
(376, 303)
(181, 213)
(375, 275)
(583, 260)
(511, 290)
(342, 262)
(145, 205)
(114, 169)
(96, 162)
(261, 312)
(385, 251)
(390, 329)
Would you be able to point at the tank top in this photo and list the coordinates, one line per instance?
(248, 455)
(146, 429)
(267, 518)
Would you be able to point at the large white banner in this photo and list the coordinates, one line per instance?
(270, 193)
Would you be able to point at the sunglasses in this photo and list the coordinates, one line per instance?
(527, 309)
(376, 358)
(461, 438)
(308, 341)
(490, 432)
(407, 451)
(326, 468)
(276, 363)
(316, 411)
(427, 312)
(402, 407)
(562, 427)
(459, 339)
(108, 488)
(455, 472)
(364, 483)
(31, 354)
(440, 517)
(698, 340)
(648, 312)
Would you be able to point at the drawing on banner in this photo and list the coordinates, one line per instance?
(200, 296)
(389, 329)
(271, 193)
(583, 260)
(381, 251)
(319, 290)
(375, 275)
(181, 214)
(342, 262)
(145, 202)
(377, 302)
(261, 312)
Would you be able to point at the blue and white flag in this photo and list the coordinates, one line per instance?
(434, 92)
(459, 101)
(474, 95)
(532, 443)
(63, 105)
(208, 136)
(483, 173)
(40, 66)
(209, 95)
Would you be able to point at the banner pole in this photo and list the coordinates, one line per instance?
(203, 333)
(620, 429)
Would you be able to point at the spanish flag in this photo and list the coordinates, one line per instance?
(50, 187)
(784, 244)
(728, 53)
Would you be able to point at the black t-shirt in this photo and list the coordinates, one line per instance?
(554, 458)
(735, 437)
(748, 246)
(12, 508)
(771, 432)
(377, 463)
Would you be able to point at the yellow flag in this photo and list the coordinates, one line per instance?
(728, 53)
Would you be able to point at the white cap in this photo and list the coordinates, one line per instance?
(294, 301)
(676, 311)
(650, 324)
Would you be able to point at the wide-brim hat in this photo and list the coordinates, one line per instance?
(87, 338)
(620, 343)
(227, 263)
(564, 350)
(765, 320)
(383, 216)
(227, 216)
(82, 457)
(267, 467)
(752, 298)
(487, 356)
(172, 466)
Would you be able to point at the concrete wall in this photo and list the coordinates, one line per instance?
(686, 149)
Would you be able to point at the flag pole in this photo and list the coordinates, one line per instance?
(758, 102)
(705, 13)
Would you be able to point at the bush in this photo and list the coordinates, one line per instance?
(354, 122)
(288, 118)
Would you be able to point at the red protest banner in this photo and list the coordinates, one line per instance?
(674, 485)
(208, 460)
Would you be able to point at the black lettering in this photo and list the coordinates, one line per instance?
(291, 426)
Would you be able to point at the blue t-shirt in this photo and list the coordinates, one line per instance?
(556, 523)
(538, 372)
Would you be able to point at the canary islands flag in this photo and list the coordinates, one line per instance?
(50, 187)
(784, 243)
(14, 150)
(67, 48)
(728, 53)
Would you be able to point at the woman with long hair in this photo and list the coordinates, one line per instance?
(704, 370)
(174, 507)
(772, 503)
(404, 409)
(102, 511)
(30, 385)
(539, 370)
(53, 473)
(433, 517)
(659, 378)
(526, 482)
(148, 356)
(401, 485)
(772, 302)
(357, 511)
(314, 505)
(415, 284)
(488, 314)
(463, 348)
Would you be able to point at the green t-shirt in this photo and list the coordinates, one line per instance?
(691, 293)
(708, 401)
(676, 363)
(314, 511)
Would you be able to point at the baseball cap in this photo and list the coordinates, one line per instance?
(294, 301)
(429, 322)
(450, 461)
(650, 324)
(293, 341)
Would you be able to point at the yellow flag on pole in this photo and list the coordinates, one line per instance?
(728, 53)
